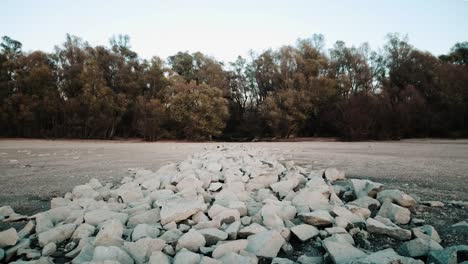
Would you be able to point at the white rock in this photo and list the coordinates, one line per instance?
(234, 246)
(392, 230)
(98, 216)
(310, 198)
(158, 257)
(186, 257)
(8, 237)
(398, 214)
(27, 230)
(6, 211)
(233, 258)
(144, 230)
(213, 235)
(227, 216)
(192, 241)
(282, 188)
(215, 186)
(265, 244)
(396, 196)
(320, 218)
(142, 249)
(342, 252)
(146, 217)
(85, 191)
(366, 202)
(304, 232)
(56, 235)
(252, 229)
(180, 209)
(83, 230)
(171, 236)
(232, 230)
(110, 234)
(363, 188)
(49, 249)
(332, 174)
(208, 260)
(112, 253)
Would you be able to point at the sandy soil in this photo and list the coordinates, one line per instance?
(34, 171)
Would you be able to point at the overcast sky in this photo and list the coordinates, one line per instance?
(225, 29)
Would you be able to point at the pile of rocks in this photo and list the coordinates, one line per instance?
(233, 205)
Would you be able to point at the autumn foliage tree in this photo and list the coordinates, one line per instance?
(354, 93)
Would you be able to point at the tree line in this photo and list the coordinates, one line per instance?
(354, 93)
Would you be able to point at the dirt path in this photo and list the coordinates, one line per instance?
(34, 171)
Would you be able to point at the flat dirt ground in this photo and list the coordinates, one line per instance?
(34, 171)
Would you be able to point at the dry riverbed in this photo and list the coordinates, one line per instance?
(32, 172)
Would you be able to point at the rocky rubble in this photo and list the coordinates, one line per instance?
(235, 205)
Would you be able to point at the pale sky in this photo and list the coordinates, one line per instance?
(225, 29)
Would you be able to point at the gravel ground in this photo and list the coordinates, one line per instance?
(34, 171)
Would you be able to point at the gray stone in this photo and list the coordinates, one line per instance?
(418, 247)
(304, 259)
(305, 232)
(462, 226)
(398, 214)
(265, 244)
(342, 252)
